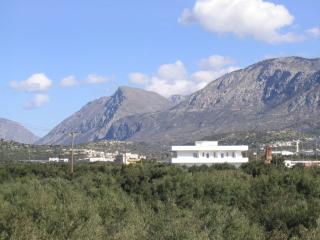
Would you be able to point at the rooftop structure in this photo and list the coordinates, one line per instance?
(209, 152)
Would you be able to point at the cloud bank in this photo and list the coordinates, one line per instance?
(173, 78)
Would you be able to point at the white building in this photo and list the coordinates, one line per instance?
(96, 156)
(129, 158)
(60, 160)
(290, 163)
(283, 153)
(209, 152)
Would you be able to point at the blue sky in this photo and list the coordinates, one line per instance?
(168, 46)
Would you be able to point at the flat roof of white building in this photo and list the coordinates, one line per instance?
(206, 143)
(210, 146)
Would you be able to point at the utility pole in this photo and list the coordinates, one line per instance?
(29, 153)
(316, 149)
(73, 135)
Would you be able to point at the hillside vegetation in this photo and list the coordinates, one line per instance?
(101, 201)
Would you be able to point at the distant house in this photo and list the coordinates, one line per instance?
(129, 158)
(97, 156)
(99, 159)
(209, 152)
(290, 163)
(283, 153)
(60, 160)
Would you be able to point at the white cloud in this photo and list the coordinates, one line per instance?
(38, 101)
(260, 19)
(138, 78)
(168, 88)
(35, 83)
(69, 81)
(96, 79)
(172, 71)
(91, 79)
(204, 77)
(171, 79)
(314, 32)
(215, 62)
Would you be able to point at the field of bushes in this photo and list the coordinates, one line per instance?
(155, 201)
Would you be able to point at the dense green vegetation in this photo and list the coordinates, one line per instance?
(100, 201)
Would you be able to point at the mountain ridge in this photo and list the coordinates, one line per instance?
(274, 94)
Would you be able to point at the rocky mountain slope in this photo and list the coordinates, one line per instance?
(274, 94)
(93, 121)
(13, 131)
(176, 99)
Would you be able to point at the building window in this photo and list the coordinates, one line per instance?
(203, 154)
(195, 155)
(207, 155)
(227, 154)
(215, 155)
(233, 154)
(222, 155)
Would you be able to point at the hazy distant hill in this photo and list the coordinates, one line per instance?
(274, 94)
(95, 118)
(13, 131)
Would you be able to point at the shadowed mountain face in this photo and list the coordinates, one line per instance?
(93, 121)
(274, 94)
(13, 131)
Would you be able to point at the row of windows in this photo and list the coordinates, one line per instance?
(215, 155)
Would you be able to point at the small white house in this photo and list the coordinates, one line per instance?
(99, 159)
(60, 160)
(305, 163)
(129, 158)
(283, 153)
(208, 153)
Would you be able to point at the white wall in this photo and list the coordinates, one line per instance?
(183, 154)
(186, 157)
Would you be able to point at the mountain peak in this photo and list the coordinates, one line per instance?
(96, 117)
(13, 131)
(132, 90)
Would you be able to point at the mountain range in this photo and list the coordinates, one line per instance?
(274, 94)
(13, 131)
